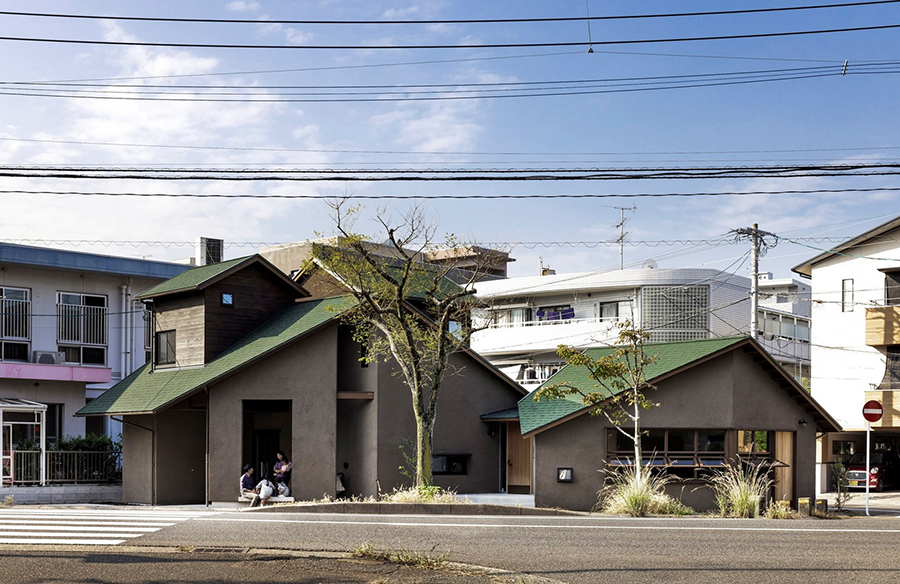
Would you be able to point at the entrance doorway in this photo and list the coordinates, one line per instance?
(267, 429)
(518, 461)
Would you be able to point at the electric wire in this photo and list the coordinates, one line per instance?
(383, 22)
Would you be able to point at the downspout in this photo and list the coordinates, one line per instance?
(152, 454)
(129, 330)
(206, 389)
(123, 341)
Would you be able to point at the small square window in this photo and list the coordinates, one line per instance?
(227, 299)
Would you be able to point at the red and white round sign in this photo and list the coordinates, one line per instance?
(873, 411)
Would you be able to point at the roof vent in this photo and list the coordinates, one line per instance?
(209, 251)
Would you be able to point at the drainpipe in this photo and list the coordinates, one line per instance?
(129, 332)
(123, 341)
(152, 454)
(206, 389)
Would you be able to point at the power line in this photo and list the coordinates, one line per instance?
(452, 197)
(457, 46)
(446, 21)
(432, 152)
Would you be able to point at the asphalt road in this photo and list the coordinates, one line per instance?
(583, 549)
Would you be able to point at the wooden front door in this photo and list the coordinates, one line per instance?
(518, 461)
(784, 476)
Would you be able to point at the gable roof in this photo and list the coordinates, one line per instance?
(202, 276)
(672, 358)
(805, 269)
(147, 392)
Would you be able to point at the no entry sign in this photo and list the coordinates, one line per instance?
(873, 411)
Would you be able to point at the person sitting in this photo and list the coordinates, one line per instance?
(266, 489)
(247, 488)
(282, 468)
(283, 490)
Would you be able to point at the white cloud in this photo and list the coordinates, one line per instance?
(243, 6)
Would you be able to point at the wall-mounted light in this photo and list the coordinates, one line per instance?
(803, 423)
(564, 475)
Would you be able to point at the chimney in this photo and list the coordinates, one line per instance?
(209, 251)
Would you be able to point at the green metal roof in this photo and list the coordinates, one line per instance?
(191, 279)
(145, 392)
(670, 357)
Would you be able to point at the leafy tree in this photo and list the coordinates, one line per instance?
(619, 391)
(407, 309)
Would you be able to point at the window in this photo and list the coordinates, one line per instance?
(754, 445)
(450, 464)
(892, 288)
(227, 299)
(165, 348)
(606, 311)
(82, 327)
(680, 453)
(15, 324)
(148, 336)
(843, 447)
(847, 295)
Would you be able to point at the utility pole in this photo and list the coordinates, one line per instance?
(754, 282)
(622, 234)
(758, 247)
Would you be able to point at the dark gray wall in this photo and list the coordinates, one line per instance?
(304, 373)
(730, 392)
(458, 429)
(357, 445)
(137, 459)
(181, 457)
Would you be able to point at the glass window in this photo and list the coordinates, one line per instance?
(450, 464)
(847, 295)
(753, 441)
(681, 441)
(653, 441)
(165, 348)
(711, 440)
(843, 447)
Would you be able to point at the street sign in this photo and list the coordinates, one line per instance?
(873, 411)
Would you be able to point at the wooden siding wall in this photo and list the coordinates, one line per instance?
(184, 315)
(258, 295)
(883, 326)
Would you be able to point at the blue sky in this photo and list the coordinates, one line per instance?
(856, 115)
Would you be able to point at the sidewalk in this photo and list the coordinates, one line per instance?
(882, 504)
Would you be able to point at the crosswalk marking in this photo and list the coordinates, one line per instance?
(85, 526)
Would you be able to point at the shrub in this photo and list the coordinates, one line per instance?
(781, 510)
(422, 494)
(638, 492)
(841, 488)
(740, 489)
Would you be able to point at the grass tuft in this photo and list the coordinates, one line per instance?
(403, 557)
(638, 493)
(781, 510)
(9, 501)
(740, 489)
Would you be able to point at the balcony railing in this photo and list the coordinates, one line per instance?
(504, 325)
(15, 319)
(22, 467)
(78, 323)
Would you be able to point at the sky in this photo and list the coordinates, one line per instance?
(830, 119)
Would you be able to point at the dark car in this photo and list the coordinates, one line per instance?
(884, 470)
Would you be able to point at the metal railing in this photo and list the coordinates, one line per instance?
(15, 319)
(78, 323)
(599, 319)
(64, 467)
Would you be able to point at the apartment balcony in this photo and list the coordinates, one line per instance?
(39, 372)
(786, 349)
(890, 401)
(543, 335)
(15, 320)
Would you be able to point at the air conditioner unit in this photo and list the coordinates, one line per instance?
(49, 357)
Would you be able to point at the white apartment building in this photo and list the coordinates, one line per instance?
(529, 317)
(69, 330)
(856, 342)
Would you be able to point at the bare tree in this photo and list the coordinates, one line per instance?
(416, 312)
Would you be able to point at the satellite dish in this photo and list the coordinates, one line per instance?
(650, 265)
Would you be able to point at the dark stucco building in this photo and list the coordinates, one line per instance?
(245, 363)
(719, 400)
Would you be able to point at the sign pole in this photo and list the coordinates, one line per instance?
(868, 461)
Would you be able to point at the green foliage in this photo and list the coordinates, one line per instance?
(408, 452)
(402, 556)
(841, 484)
(781, 510)
(740, 489)
(89, 443)
(639, 492)
(414, 313)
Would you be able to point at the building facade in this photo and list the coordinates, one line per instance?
(527, 318)
(69, 329)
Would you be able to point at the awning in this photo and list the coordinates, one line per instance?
(510, 415)
(14, 403)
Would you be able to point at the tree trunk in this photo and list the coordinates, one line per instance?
(424, 426)
(639, 475)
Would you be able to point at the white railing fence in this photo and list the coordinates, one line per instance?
(22, 467)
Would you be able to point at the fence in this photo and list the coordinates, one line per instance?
(64, 467)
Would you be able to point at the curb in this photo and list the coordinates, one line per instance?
(464, 509)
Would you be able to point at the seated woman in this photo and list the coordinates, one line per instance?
(282, 468)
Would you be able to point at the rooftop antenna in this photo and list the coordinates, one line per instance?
(622, 233)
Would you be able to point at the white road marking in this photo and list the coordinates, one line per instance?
(84, 526)
(746, 527)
